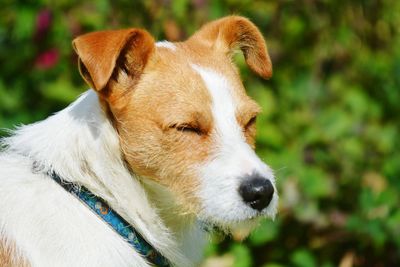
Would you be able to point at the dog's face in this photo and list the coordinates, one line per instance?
(183, 116)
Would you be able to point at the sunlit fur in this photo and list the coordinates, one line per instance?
(164, 137)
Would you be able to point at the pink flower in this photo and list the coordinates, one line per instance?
(43, 23)
(47, 59)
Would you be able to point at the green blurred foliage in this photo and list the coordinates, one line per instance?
(330, 126)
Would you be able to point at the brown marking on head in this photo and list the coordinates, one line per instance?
(233, 32)
(160, 104)
(102, 53)
(168, 98)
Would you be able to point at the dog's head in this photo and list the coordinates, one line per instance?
(183, 116)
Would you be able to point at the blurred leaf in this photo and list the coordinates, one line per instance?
(273, 265)
(303, 258)
(60, 90)
(24, 23)
(242, 255)
(267, 231)
(315, 183)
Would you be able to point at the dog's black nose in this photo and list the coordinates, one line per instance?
(256, 192)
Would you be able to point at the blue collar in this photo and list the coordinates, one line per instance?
(114, 220)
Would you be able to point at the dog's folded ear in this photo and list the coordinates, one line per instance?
(100, 52)
(235, 32)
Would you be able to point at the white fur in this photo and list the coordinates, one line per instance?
(50, 226)
(166, 44)
(232, 159)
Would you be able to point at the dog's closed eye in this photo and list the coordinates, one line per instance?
(187, 128)
(250, 123)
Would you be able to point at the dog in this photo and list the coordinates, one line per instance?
(163, 141)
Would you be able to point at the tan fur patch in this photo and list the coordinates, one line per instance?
(9, 257)
(234, 32)
(167, 96)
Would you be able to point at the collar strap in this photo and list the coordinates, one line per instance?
(114, 220)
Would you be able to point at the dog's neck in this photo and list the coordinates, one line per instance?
(81, 145)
